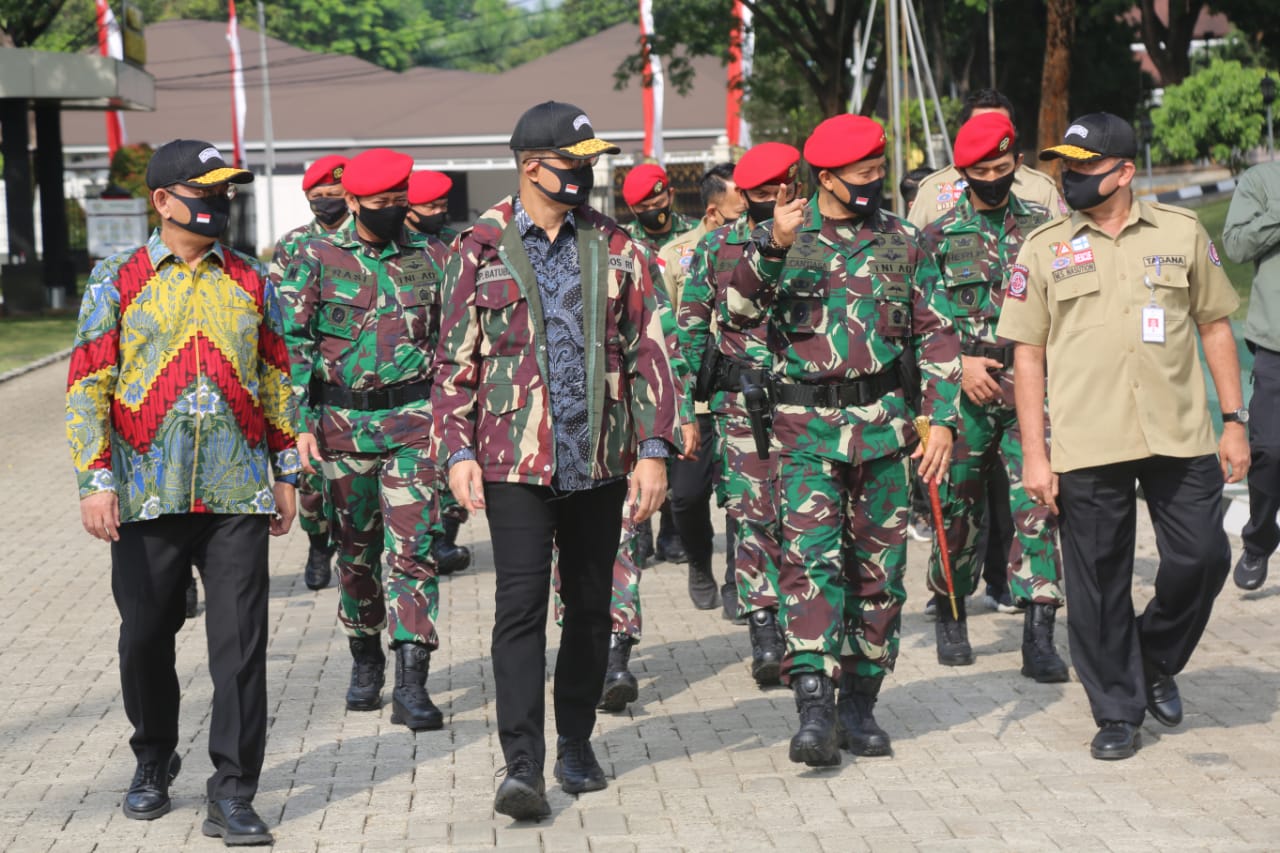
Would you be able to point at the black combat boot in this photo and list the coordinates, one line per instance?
(644, 543)
(319, 562)
(410, 704)
(767, 647)
(952, 633)
(703, 589)
(816, 743)
(670, 546)
(450, 556)
(620, 686)
(859, 732)
(1039, 658)
(368, 673)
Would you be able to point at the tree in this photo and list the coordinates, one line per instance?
(24, 21)
(1055, 77)
(1215, 113)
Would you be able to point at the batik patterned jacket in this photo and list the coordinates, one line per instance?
(491, 390)
(178, 395)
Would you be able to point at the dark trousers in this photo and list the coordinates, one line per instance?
(691, 482)
(1261, 535)
(1098, 521)
(150, 571)
(524, 522)
(998, 528)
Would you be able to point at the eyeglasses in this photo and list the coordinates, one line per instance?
(227, 191)
(574, 162)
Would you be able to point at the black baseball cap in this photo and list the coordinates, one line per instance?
(193, 163)
(1093, 137)
(562, 128)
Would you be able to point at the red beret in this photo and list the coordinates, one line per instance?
(327, 170)
(645, 180)
(844, 139)
(426, 186)
(983, 137)
(766, 163)
(378, 170)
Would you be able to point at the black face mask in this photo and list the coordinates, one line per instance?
(208, 215)
(575, 184)
(1080, 191)
(430, 224)
(863, 198)
(654, 220)
(384, 223)
(992, 193)
(329, 211)
(760, 211)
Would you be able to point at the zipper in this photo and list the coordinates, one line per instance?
(195, 317)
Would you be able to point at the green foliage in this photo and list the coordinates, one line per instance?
(491, 36)
(384, 32)
(129, 171)
(1217, 112)
(23, 22)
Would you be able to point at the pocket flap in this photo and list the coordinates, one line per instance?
(500, 397)
(346, 291)
(497, 293)
(1076, 286)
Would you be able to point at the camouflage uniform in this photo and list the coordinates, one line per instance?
(973, 251)
(366, 319)
(747, 486)
(680, 224)
(842, 305)
(311, 514)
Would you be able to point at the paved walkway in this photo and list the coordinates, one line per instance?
(985, 760)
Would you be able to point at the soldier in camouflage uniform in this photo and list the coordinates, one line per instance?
(648, 195)
(974, 243)
(552, 385)
(322, 184)
(849, 292)
(425, 227)
(748, 485)
(363, 315)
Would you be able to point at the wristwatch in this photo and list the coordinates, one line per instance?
(1239, 416)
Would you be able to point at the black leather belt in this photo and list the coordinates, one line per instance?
(729, 375)
(1002, 353)
(862, 391)
(372, 400)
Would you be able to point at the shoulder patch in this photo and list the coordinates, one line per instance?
(1018, 282)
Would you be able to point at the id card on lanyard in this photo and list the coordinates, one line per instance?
(1152, 314)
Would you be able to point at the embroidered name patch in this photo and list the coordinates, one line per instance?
(492, 273)
(618, 262)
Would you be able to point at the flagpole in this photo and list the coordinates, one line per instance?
(268, 132)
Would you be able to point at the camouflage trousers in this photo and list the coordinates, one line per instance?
(844, 552)
(624, 606)
(748, 491)
(311, 512)
(382, 510)
(988, 436)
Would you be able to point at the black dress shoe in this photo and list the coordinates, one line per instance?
(1251, 571)
(1115, 740)
(236, 823)
(148, 794)
(523, 794)
(576, 767)
(1163, 700)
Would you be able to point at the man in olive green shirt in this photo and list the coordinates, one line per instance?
(1112, 298)
(1252, 234)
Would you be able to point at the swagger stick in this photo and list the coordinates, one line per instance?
(935, 502)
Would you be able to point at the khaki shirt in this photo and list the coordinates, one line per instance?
(674, 260)
(940, 191)
(1080, 292)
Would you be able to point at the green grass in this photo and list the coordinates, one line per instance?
(1212, 215)
(25, 339)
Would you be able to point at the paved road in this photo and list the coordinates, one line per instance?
(985, 760)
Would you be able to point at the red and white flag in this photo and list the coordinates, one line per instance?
(652, 86)
(237, 87)
(110, 43)
(741, 47)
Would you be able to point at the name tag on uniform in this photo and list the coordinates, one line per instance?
(1152, 324)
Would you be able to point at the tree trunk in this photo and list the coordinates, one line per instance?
(1055, 79)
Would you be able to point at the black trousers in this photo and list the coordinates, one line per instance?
(1099, 516)
(1261, 535)
(998, 529)
(150, 572)
(524, 522)
(691, 484)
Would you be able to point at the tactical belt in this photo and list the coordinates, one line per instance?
(729, 375)
(1002, 353)
(862, 391)
(390, 397)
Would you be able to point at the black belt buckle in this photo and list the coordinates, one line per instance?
(830, 397)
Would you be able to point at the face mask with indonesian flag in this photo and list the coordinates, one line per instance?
(575, 184)
(209, 214)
